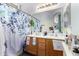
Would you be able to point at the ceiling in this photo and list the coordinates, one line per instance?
(28, 7)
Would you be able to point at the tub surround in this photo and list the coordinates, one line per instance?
(68, 50)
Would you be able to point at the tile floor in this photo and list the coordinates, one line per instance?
(25, 54)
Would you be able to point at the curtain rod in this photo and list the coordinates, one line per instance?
(14, 6)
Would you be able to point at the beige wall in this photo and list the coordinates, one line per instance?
(75, 18)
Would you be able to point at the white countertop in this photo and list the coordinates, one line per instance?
(62, 38)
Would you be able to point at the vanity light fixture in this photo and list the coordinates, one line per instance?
(47, 5)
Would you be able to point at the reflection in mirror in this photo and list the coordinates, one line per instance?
(57, 21)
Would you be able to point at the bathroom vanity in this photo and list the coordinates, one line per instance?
(44, 45)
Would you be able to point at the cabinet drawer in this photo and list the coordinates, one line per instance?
(41, 45)
(41, 40)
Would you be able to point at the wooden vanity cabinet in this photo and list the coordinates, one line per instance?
(43, 47)
(32, 49)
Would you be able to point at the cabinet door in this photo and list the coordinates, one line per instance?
(50, 51)
(49, 47)
(57, 45)
(41, 47)
(31, 48)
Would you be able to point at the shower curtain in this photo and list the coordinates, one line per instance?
(15, 26)
(2, 40)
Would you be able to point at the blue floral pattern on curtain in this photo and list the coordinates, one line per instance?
(16, 25)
